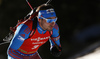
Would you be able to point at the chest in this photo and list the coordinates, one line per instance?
(37, 38)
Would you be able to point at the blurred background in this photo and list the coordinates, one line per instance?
(78, 20)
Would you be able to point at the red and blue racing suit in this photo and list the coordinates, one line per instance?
(26, 41)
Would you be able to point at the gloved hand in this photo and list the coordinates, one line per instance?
(55, 52)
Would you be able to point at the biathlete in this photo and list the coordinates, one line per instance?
(30, 34)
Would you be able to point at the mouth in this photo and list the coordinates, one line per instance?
(51, 27)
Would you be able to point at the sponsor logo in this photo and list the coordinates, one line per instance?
(38, 42)
(20, 38)
(39, 38)
(36, 46)
(50, 10)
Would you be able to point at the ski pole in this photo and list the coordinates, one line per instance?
(55, 44)
(4, 42)
(29, 4)
(48, 1)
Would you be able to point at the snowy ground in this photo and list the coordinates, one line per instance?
(91, 52)
(93, 55)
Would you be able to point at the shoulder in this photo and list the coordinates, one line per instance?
(56, 26)
(22, 31)
(25, 26)
(28, 23)
(55, 31)
(22, 28)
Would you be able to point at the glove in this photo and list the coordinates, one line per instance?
(55, 52)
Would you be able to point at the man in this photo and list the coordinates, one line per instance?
(27, 39)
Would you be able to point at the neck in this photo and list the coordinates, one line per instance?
(40, 29)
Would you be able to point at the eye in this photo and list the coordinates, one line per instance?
(48, 20)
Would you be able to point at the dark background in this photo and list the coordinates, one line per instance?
(78, 20)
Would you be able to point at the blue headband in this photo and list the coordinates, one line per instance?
(46, 13)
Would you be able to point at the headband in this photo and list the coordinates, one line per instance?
(46, 13)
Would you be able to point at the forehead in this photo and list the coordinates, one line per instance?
(50, 10)
(47, 13)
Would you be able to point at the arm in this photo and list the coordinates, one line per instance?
(20, 35)
(55, 42)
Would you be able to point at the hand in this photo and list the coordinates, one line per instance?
(55, 52)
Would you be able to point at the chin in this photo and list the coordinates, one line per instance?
(49, 29)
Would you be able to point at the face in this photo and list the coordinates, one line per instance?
(45, 25)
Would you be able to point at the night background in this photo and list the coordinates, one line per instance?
(78, 20)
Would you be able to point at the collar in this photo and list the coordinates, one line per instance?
(40, 30)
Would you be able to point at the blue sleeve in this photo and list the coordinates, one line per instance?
(22, 32)
(55, 36)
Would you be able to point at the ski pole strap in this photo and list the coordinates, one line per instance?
(55, 44)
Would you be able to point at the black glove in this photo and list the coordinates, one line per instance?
(55, 52)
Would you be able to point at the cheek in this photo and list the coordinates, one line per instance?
(48, 24)
(45, 24)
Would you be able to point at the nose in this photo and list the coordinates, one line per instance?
(53, 23)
